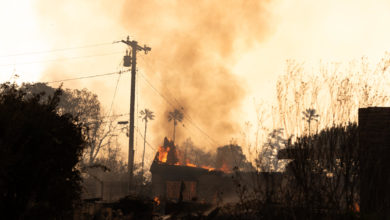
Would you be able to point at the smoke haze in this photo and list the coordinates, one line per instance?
(209, 55)
(194, 45)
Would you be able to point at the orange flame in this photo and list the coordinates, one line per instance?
(163, 154)
(163, 157)
(157, 200)
(188, 164)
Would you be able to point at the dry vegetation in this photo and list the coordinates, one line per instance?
(323, 179)
(334, 90)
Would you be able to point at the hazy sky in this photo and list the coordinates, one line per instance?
(221, 45)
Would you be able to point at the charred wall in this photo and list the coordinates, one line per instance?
(374, 146)
(196, 184)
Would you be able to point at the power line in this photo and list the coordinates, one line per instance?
(115, 91)
(87, 77)
(170, 103)
(186, 116)
(156, 90)
(169, 92)
(179, 105)
(112, 103)
(139, 133)
(55, 50)
(61, 59)
(201, 139)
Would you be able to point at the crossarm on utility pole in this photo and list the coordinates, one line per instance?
(134, 48)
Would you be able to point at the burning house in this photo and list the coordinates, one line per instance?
(174, 178)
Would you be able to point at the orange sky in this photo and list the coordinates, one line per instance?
(305, 30)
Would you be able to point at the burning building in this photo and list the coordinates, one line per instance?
(175, 178)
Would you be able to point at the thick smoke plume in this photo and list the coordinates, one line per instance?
(194, 46)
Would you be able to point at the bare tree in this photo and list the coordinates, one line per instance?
(267, 160)
(98, 135)
(98, 128)
(85, 106)
(335, 90)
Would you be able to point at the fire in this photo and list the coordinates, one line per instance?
(225, 168)
(190, 165)
(356, 207)
(170, 155)
(163, 154)
(157, 200)
(208, 168)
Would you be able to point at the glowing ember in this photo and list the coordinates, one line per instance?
(356, 207)
(225, 168)
(157, 200)
(190, 164)
(208, 168)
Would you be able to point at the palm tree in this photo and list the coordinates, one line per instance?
(176, 116)
(146, 115)
(310, 115)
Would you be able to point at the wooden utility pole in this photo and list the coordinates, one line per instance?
(131, 60)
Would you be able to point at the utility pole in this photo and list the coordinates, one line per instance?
(131, 60)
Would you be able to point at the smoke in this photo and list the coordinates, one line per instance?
(194, 46)
(70, 24)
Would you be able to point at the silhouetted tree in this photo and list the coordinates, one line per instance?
(146, 115)
(267, 160)
(175, 116)
(310, 115)
(320, 182)
(230, 157)
(39, 150)
(190, 153)
(325, 169)
(85, 106)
